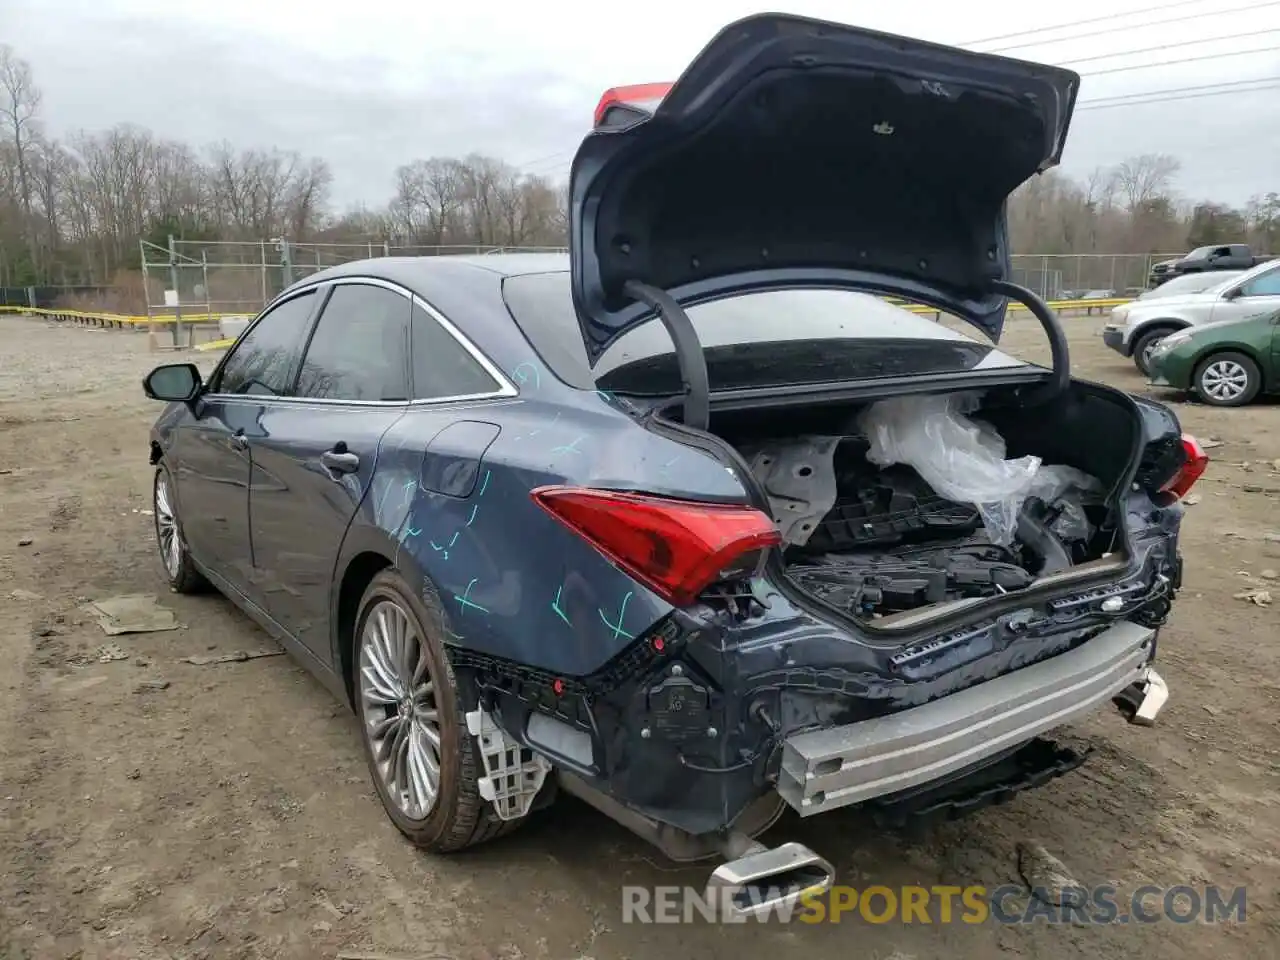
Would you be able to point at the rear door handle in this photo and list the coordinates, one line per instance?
(340, 460)
(238, 441)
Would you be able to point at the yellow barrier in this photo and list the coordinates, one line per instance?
(116, 319)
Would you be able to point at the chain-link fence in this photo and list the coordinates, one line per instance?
(1077, 276)
(194, 282)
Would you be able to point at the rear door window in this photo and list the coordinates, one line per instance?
(360, 348)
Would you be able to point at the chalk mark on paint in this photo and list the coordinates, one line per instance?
(622, 613)
(571, 447)
(555, 605)
(465, 601)
(524, 371)
(443, 550)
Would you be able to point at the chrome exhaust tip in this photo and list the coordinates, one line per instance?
(765, 880)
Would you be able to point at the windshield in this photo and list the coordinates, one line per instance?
(762, 339)
(1192, 283)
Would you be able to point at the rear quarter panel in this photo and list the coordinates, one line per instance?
(514, 582)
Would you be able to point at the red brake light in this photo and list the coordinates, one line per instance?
(677, 548)
(646, 96)
(1191, 471)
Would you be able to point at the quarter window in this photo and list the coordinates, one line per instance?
(262, 363)
(442, 367)
(360, 347)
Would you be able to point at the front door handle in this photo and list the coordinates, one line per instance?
(339, 460)
(238, 441)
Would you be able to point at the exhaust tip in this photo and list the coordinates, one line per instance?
(769, 880)
(1142, 700)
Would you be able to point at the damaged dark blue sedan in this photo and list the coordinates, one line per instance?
(694, 523)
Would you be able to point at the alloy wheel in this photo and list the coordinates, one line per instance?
(1224, 380)
(167, 535)
(398, 706)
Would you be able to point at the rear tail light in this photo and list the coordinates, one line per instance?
(639, 96)
(1197, 461)
(677, 548)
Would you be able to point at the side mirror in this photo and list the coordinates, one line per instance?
(1233, 293)
(173, 381)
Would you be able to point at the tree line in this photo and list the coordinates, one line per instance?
(72, 211)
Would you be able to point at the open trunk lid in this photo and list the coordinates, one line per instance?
(795, 152)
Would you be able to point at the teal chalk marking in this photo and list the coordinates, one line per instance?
(484, 484)
(622, 613)
(444, 550)
(569, 447)
(525, 371)
(465, 601)
(555, 605)
(471, 519)
(407, 487)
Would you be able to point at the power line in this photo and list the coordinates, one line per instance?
(1135, 26)
(1167, 46)
(1179, 62)
(1081, 23)
(1185, 96)
(538, 161)
(1192, 89)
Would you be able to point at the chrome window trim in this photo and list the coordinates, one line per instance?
(505, 388)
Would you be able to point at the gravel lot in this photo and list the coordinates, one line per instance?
(229, 814)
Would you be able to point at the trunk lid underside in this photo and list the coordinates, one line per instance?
(798, 152)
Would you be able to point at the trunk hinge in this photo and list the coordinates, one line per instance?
(693, 365)
(1060, 379)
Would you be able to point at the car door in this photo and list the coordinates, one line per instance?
(1256, 297)
(313, 455)
(211, 461)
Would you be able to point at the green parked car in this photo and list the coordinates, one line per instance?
(1226, 364)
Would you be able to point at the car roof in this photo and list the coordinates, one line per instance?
(423, 272)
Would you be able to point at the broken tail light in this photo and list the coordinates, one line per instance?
(677, 548)
(1197, 461)
(636, 99)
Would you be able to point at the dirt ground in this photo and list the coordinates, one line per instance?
(230, 814)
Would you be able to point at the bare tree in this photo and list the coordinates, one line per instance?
(1146, 178)
(19, 111)
(75, 211)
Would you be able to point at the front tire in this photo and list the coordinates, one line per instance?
(1228, 380)
(179, 568)
(425, 765)
(1142, 348)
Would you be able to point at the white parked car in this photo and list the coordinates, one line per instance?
(1135, 328)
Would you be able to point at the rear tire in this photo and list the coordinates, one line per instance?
(175, 558)
(425, 765)
(1227, 380)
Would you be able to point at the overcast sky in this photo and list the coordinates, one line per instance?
(371, 85)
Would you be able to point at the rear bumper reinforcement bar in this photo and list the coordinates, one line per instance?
(826, 769)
